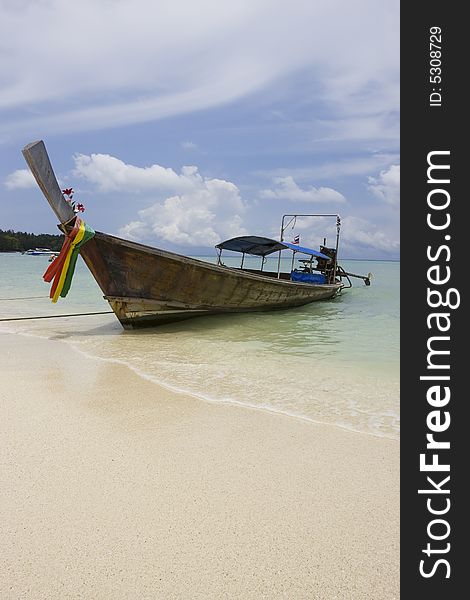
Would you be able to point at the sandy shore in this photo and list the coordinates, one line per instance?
(115, 488)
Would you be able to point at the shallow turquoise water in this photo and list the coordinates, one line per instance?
(335, 361)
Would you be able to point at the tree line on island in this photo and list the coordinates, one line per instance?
(20, 241)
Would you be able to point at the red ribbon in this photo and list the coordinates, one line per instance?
(55, 268)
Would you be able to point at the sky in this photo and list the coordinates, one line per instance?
(186, 122)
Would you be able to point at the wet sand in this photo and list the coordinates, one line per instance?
(115, 488)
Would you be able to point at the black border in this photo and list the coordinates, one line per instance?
(425, 128)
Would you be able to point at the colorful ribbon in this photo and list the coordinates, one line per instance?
(61, 270)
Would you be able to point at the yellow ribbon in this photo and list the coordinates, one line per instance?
(78, 238)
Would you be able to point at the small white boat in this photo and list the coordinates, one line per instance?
(40, 252)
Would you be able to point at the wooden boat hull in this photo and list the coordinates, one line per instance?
(147, 286)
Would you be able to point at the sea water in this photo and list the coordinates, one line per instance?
(334, 361)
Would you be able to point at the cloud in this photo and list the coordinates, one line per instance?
(341, 167)
(361, 236)
(203, 216)
(201, 55)
(191, 210)
(287, 189)
(373, 126)
(20, 179)
(188, 145)
(109, 173)
(386, 187)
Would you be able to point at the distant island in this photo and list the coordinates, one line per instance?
(19, 241)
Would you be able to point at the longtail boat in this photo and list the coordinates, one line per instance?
(148, 286)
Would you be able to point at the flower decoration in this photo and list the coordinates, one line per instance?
(68, 195)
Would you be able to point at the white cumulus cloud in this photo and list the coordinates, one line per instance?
(20, 179)
(362, 236)
(287, 189)
(202, 216)
(190, 210)
(386, 186)
(109, 173)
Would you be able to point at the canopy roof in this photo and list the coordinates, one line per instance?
(262, 246)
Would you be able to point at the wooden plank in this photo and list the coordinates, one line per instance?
(38, 161)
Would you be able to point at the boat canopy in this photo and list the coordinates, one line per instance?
(304, 250)
(262, 246)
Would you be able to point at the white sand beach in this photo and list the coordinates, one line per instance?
(115, 488)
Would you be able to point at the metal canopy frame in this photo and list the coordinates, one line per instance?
(294, 218)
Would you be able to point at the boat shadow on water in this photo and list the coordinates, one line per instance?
(301, 331)
(282, 324)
